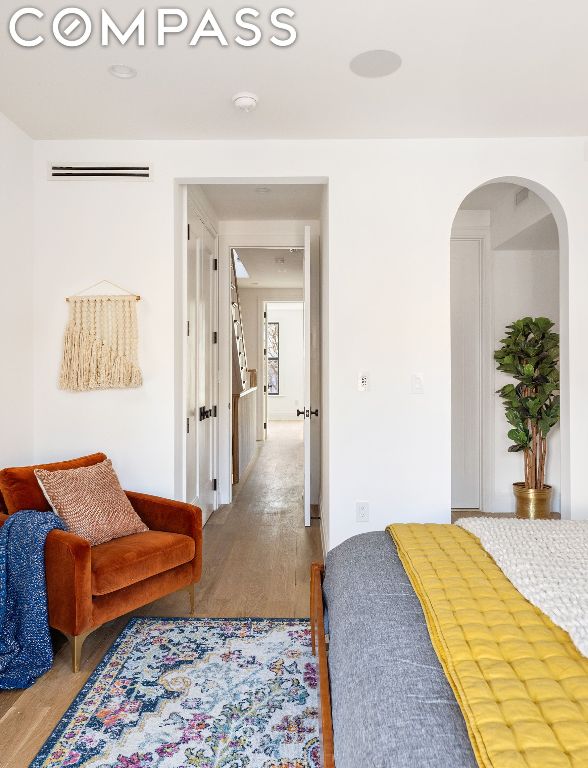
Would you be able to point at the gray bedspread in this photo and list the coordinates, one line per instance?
(392, 704)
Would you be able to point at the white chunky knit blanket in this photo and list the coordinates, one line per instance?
(547, 561)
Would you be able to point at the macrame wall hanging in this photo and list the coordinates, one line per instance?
(101, 340)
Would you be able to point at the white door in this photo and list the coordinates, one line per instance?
(264, 372)
(191, 490)
(307, 403)
(466, 264)
(206, 370)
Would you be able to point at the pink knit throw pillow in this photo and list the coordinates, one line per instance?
(91, 502)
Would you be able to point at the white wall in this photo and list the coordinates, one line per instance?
(122, 232)
(291, 328)
(252, 300)
(388, 273)
(16, 295)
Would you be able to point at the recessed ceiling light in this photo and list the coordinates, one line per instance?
(122, 71)
(245, 101)
(262, 190)
(378, 63)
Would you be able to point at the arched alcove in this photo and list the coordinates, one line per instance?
(509, 259)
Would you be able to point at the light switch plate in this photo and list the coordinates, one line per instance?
(417, 384)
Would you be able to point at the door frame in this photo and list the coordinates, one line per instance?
(469, 228)
(262, 365)
(262, 305)
(265, 234)
(235, 234)
(183, 202)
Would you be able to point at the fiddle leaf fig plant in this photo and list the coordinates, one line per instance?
(530, 354)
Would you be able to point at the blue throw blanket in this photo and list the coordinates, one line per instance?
(25, 643)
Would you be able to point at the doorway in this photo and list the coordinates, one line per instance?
(201, 343)
(272, 354)
(284, 360)
(505, 264)
(243, 217)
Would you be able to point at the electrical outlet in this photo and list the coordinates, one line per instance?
(362, 381)
(362, 511)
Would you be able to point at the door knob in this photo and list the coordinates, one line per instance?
(300, 413)
(314, 413)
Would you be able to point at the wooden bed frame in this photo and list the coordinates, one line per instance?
(320, 649)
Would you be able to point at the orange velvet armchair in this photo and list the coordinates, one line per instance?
(88, 586)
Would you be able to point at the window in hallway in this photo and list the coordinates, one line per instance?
(273, 358)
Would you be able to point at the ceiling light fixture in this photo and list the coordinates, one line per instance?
(262, 190)
(122, 71)
(377, 63)
(245, 101)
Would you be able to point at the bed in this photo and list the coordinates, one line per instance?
(380, 652)
(388, 692)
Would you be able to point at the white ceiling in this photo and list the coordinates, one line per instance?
(283, 201)
(543, 235)
(487, 197)
(267, 271)
(470, 68)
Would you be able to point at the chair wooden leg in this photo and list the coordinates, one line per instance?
(191, 589)
(76, 643)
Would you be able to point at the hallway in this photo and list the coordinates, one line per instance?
(257, 552)
(257, 556)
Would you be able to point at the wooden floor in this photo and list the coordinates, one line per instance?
(257, 556)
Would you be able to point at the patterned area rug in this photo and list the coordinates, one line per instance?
(196, 693)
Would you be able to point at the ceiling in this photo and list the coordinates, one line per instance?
(487, 197)
(271, 268)
(542, 235)
(470, 68)
(281, 201)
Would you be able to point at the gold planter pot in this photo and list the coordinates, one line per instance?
(531, 503)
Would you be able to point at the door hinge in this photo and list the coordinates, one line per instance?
(215, 264)
(187, 327)
(188, 425)
(265, 351)
(214, 337)
(188, 231)
(264, 389)
(214, 484)
(214, 411)
(265, 424)
(264, 315)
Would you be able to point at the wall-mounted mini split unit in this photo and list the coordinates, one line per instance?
(69, 171)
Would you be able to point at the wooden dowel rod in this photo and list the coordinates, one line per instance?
(109, 298)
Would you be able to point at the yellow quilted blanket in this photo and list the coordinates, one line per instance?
(520, 682)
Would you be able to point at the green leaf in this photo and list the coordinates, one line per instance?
(529, 353)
